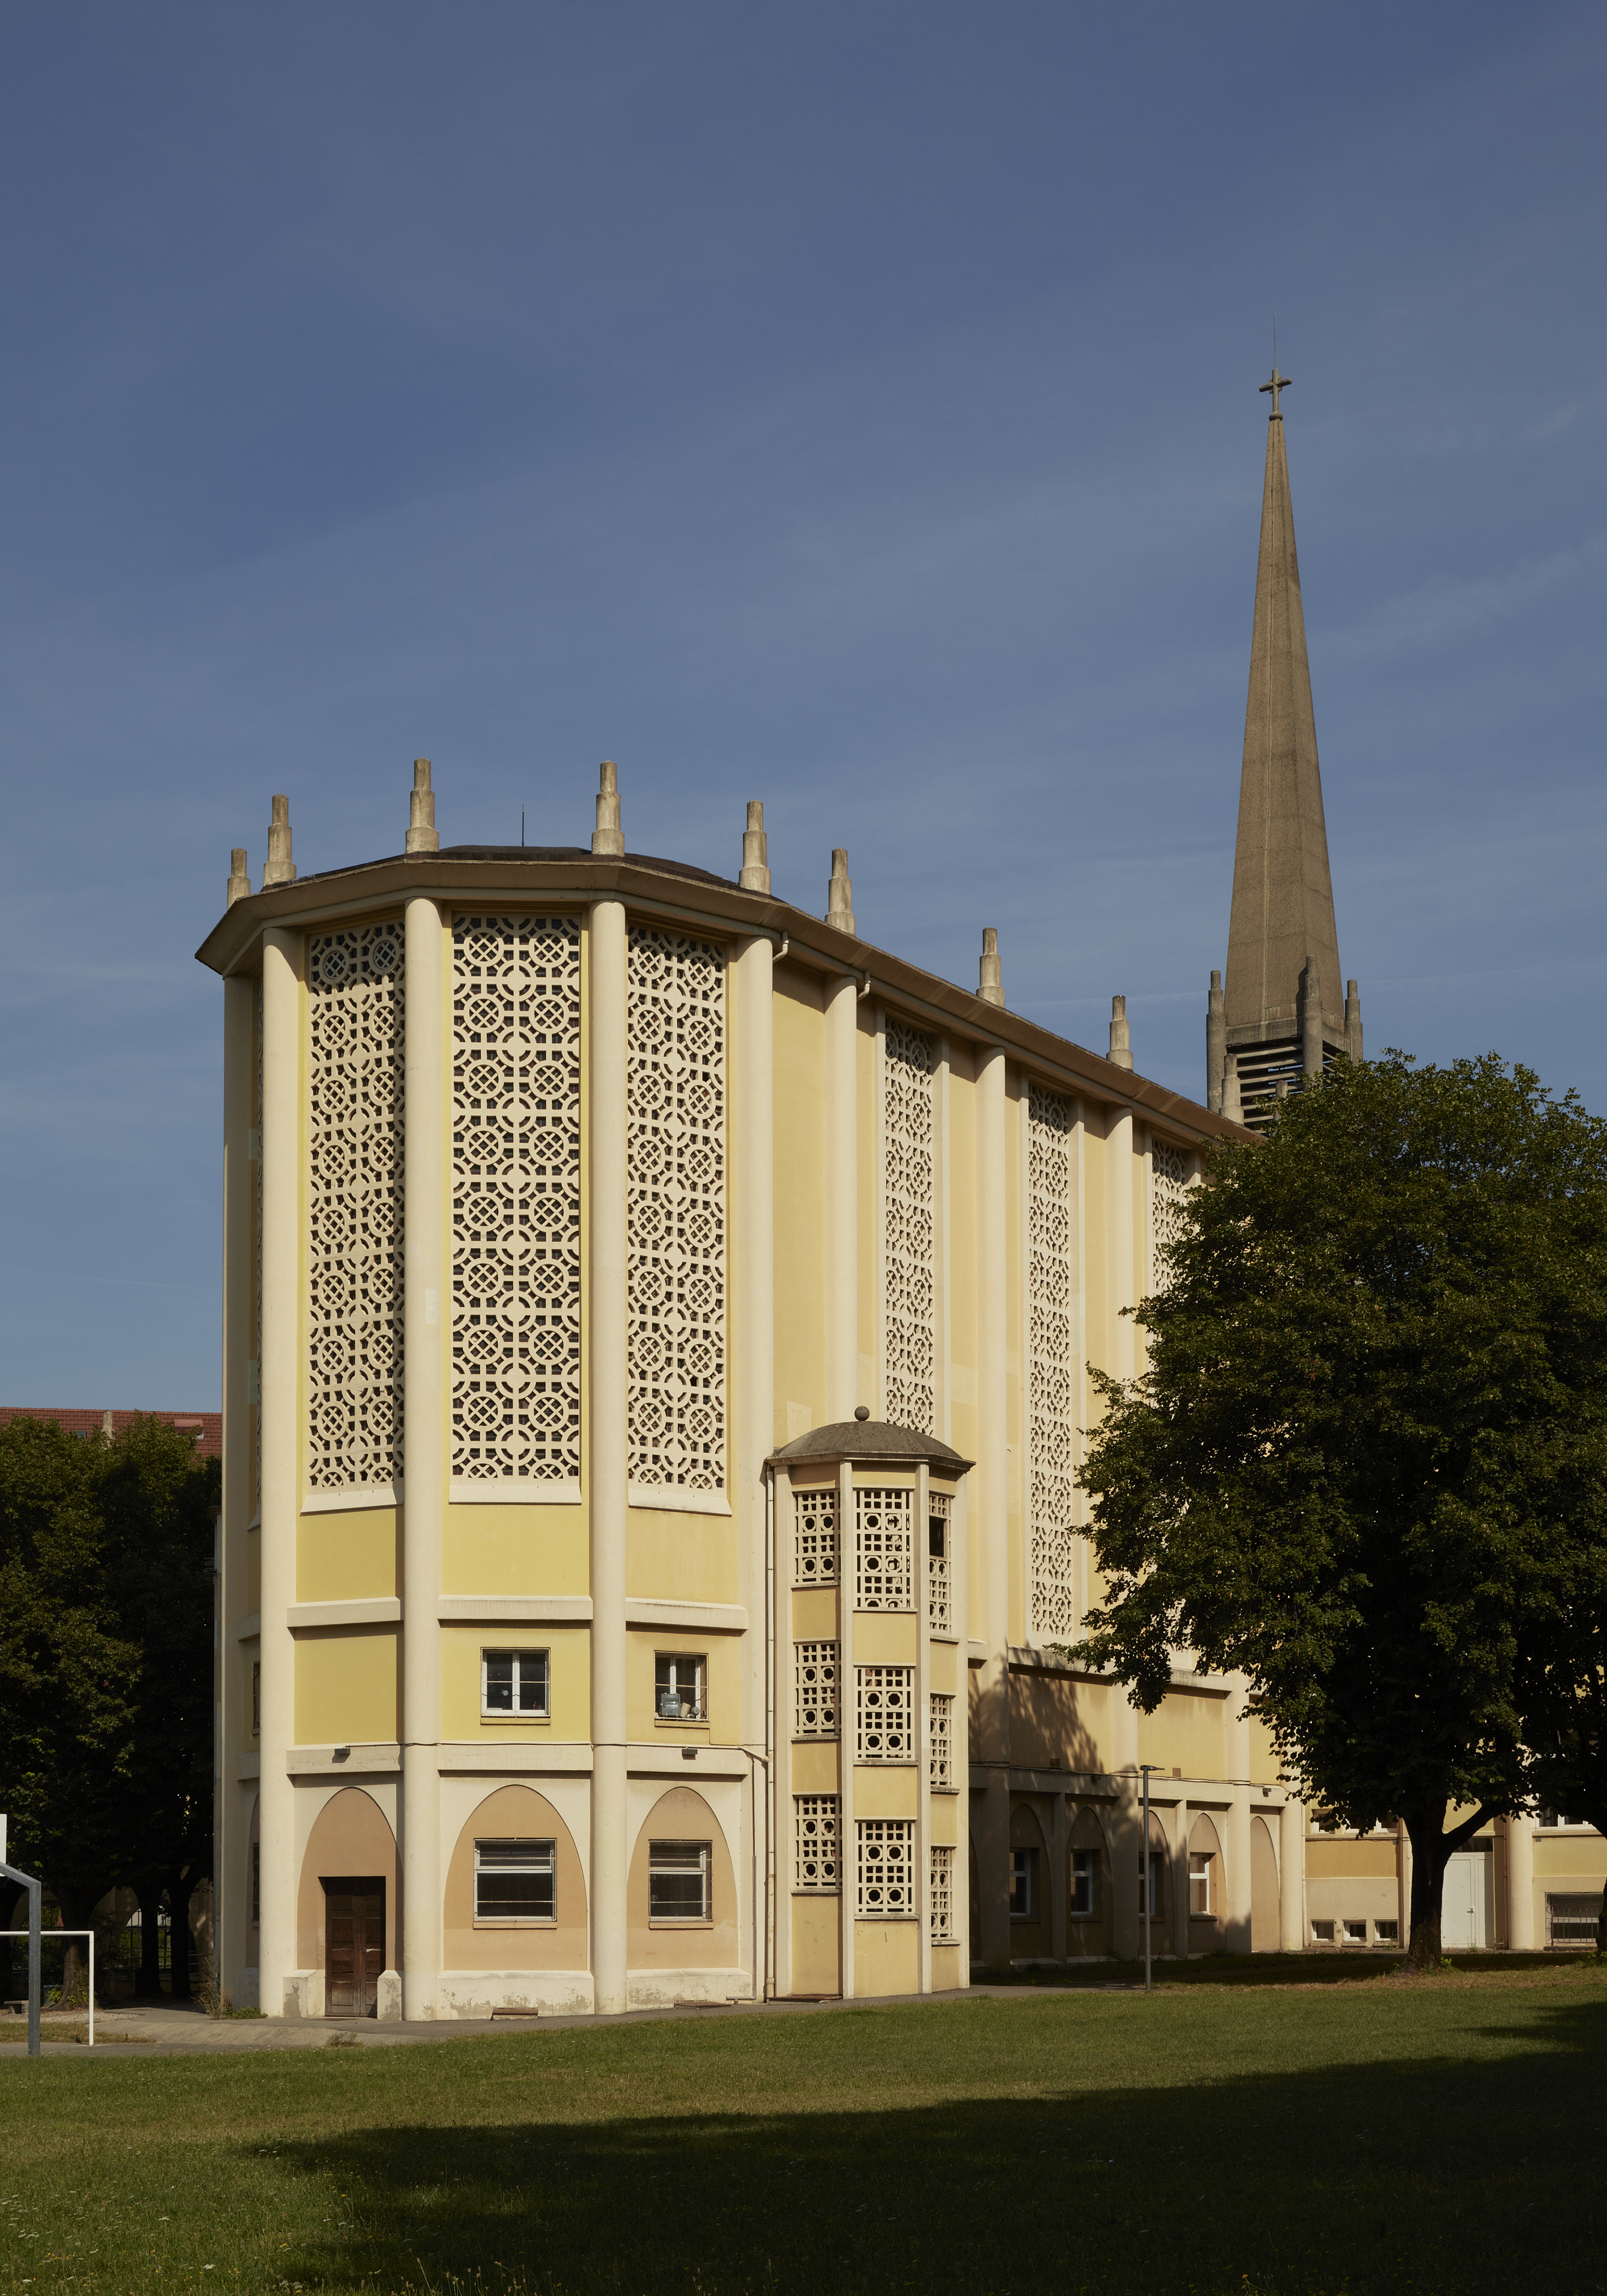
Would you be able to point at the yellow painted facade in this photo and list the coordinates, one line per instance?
(652, 1182)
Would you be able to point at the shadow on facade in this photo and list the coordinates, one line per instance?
(1447, 2173)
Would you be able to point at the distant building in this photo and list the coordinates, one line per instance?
(205, 1426)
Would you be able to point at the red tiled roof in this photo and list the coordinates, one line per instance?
(205, 1426)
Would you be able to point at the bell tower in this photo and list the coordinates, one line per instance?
(1280, 1016)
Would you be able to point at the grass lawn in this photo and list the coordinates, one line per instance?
(1442, 2133)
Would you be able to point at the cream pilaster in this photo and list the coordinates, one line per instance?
(280, 1150)
(1520, 1884)
(842, 1201)
(754, 1385)
(422, 1261)
(1180, 1900)
(1238, 1893)
(992, 1482)
(922, 1584)
(848, 1719)
(783, 1874)
(232, 1883)
(608, 1399)
(1292, 1876)
(1119, 1354)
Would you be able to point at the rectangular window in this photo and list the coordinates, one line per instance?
(1573, 1919)
(884, 1559)
(814, 1536)
(885, 1884)
(256, 1698)
(513, 1682)
(515, 1881)
(886, 1716)
(1355, 1932)
(1386, 1932)
(678, 1679)
(1079, 1901)
(1555, 1817)
(1202, 1895)
(942, 1896)
(814, 1830)
(940, 1590)
(941, 1774)
(677, 1881)
(1156, 1868)
(1023, 1885)
(815, 1690)
(1322, 1933)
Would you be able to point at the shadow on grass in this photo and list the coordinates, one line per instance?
(1460, 2174)
(1340, 1967)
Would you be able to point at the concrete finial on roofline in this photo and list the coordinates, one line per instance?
(280, 869)
(608, 837)
(755, 851)
(1353, 1021)
(1216, 1047)
(1310, 1005)
(839, 893)
(422, 835)
(990, 978)
(1121, 1043)
(240, 879)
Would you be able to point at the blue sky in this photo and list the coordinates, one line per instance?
(853, 406)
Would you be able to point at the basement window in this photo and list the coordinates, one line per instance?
(515, 1881)
(677, 1881)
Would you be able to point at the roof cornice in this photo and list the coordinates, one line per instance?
(693, 897)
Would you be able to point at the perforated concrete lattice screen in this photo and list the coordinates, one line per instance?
(884, 1877)
(884, 1721)
(1052, 1401)
(909, 1226)
(884, 1558)
(814, 1538)
(941, 1773)
(515, 1201)
(356, 1136)
(676, 1024)
(942, 1895)
(815, 1690)
(1168, 1190)
(815, 1857)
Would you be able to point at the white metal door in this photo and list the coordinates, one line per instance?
(1462, 1914)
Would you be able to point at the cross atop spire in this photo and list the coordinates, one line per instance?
(1279, 382)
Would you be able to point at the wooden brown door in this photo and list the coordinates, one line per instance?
(354, 1946)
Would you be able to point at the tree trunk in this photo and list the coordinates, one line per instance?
(1601, 1926)
(1430, 1853)
(181, 1888)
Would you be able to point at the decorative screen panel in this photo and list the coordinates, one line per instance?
(1052, 1386)
(941, 1767)
(677, 1057)
(815, 1690)
(909, 1226)
(1169, 1193)
(942, 1895)
(814, 1852)
(354, 1151)
(814, 1536)
(515, 1199)
(884, 1881)
(885, 1553)
(884, 1716)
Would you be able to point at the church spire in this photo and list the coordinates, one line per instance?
(1282, 1001)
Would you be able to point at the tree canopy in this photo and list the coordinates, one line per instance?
(1375, 1401)
(106, 1662)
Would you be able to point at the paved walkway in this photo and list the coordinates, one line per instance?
(169, 2031)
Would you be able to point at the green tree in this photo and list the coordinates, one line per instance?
(68, 1670)
(1377, 1385)
(1562, 1682)
(106, 1667)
